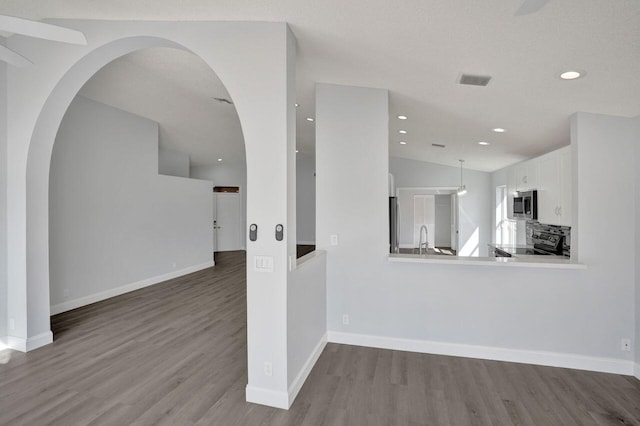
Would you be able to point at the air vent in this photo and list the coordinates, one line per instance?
(223, 100)
(474, 80)
(438, 145)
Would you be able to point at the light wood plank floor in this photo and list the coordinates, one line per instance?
(175, 353)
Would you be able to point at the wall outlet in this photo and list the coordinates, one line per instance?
(625, 345)
(12, 324)
(334, 240)
(345, 319)
(268, 369)
(174, 265)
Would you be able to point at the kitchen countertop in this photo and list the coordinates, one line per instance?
(529, 261)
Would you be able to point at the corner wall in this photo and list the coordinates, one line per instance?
(115, 224)
(173, 163)
(637, 247)
(3, 204)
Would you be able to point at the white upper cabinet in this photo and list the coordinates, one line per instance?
(550, 174)
(521, 177)
(554, 191)
(527, 175)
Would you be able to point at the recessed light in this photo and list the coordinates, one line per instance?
(483, 143)
(219, 159)
(309, 119)
(297, 151)
(571, 75)
(403, 143)
(297, 105)
(402, 117)
(402, 132)
(499, 130)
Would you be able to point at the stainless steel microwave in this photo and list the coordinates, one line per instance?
(525, 205)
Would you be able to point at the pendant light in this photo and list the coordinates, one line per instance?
(462, 189)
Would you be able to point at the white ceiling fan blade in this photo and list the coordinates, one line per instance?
(530, 6)
(41, 30)
(13, 58)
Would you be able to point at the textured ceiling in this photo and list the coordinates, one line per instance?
(417, 50)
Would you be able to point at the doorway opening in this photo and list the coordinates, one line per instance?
(427, 221)
(132, 168)
(227, 219)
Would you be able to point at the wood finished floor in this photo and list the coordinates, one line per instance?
(175, 353)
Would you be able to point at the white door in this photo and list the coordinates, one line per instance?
(227, 216)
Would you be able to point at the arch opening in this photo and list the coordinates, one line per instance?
(121, 213)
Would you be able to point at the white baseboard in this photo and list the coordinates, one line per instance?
(297, 383)
(306, 243)
(40, 340)
(636, 371)
(17, 343)
(103, 295)
(284, 400)
(553, 359)
(31, 343)
(267, 397)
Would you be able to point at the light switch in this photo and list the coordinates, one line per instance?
(263, 263)
(334, 240)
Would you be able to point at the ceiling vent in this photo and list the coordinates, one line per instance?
(474, 80)
(223, 100)
(437, 145)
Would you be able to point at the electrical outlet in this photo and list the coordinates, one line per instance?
(268, 369)
(625, 345)
(345, 319)
(174, 265)
(334, 240)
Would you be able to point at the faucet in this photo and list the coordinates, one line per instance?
(426, 241)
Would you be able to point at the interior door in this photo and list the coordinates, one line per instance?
(227, 221)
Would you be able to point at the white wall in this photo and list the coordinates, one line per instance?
(306, 198)
(113, 220)
(39, 95)
(637, 248)
(306, 317)
(173, 163)
(550, 316)
(475, 206)
(227, 174)
(3, 204)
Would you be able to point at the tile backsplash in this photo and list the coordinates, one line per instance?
(535, 227)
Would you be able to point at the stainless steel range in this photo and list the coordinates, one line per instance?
(544, 244)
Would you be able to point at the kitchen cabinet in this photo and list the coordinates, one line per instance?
(521, 177)
(554, 189)
(526, 175)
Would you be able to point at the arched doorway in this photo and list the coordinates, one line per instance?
(126, 211)
(240, 53)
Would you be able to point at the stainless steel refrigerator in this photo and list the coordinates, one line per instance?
(394, 246)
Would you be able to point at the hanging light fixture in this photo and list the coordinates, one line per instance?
(461, 189)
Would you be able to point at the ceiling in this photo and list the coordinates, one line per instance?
(418, 49)
(176, 89)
